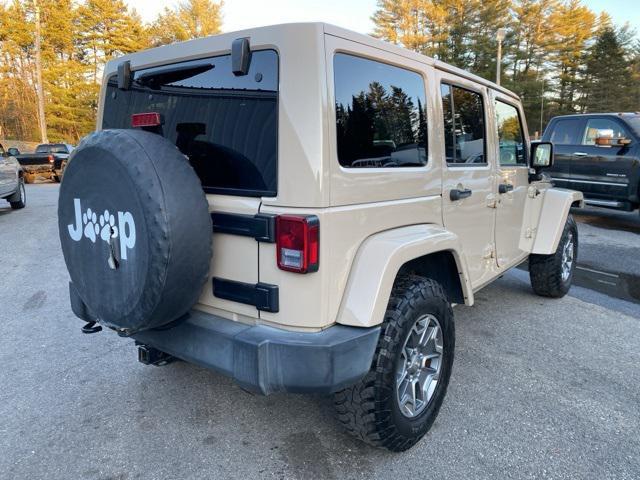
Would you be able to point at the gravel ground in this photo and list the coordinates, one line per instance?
(541, 389)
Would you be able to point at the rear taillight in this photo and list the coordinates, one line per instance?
(50, 158)
(298, 243)
(150, 119)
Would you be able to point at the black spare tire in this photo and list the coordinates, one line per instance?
(135, 229)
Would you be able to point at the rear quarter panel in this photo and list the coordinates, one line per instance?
(312, 300)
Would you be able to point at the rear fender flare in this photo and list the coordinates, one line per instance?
(378, 261)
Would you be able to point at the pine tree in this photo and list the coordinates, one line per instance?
(419, 25)
(633, 89)
(491, 15)
(190, 19)
(107, 28)
(17, 93)
(608, 69)
(571, 27)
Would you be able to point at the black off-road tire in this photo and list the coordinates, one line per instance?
(19, 199)
(545, 271)
(369, 410)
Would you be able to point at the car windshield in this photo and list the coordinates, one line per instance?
(53, 148)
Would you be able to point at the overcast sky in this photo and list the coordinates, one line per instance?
(351, 14)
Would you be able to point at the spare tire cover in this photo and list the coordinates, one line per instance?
(135, 229)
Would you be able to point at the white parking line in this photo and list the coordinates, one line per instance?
(606, 274)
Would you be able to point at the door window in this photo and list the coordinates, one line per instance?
(595, 124)
(381, 119)
(566, 131)
(510, 135)
(464, 129)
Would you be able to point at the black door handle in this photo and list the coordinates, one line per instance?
(505, 187)
(458, 194)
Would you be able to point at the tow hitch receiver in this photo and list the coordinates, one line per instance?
(152, 356)
(91, 327)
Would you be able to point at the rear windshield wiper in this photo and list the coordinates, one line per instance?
(158, 78)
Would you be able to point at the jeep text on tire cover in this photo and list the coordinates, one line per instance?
(299, 207)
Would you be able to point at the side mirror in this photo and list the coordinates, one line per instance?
(605, 138)
(541, 155)
(13, 152)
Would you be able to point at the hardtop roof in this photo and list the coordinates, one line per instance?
(389, 47)
(336, 31)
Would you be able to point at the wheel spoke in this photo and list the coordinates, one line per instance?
(413, 396)
(402, 374)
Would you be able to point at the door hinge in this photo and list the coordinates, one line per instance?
(490, 251)
(492, 202)
(529, 232)
(533, 192)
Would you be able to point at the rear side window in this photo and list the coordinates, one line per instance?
(510, 135)
(566, 132)
(611, 129)
(380, 114)
(226, 125)
(464, 130)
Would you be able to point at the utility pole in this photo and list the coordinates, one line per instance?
(500, 34)
(39, 88)
(541, 105)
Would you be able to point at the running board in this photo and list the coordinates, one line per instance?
(608, 203)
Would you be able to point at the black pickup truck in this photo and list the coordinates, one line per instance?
(49, 160)
(599, 155)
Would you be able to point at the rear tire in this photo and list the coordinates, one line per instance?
(380, 409)
(551, 275)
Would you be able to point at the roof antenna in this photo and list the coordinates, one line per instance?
(240, 56)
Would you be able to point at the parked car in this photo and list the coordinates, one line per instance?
(599, 155)
(11, 180)
(257, 213)
(48, 160)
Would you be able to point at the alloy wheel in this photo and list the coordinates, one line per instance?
(419, 366)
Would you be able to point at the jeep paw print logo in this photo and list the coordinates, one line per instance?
(104, 226)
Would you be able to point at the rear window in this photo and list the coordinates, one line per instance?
(566, 132)
(226, 125)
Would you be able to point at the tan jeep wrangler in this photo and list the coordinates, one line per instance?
(299, 207)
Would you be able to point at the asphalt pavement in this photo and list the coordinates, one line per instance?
(540, 389)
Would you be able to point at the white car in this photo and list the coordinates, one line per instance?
(11, 181)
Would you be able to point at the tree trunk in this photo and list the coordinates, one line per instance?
(39, 87)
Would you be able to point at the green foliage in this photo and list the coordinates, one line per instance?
(557, 55)
(609, 76)
(191, 19)
(78, 38)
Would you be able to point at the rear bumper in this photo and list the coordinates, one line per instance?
(265, 359)
(260, 358)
